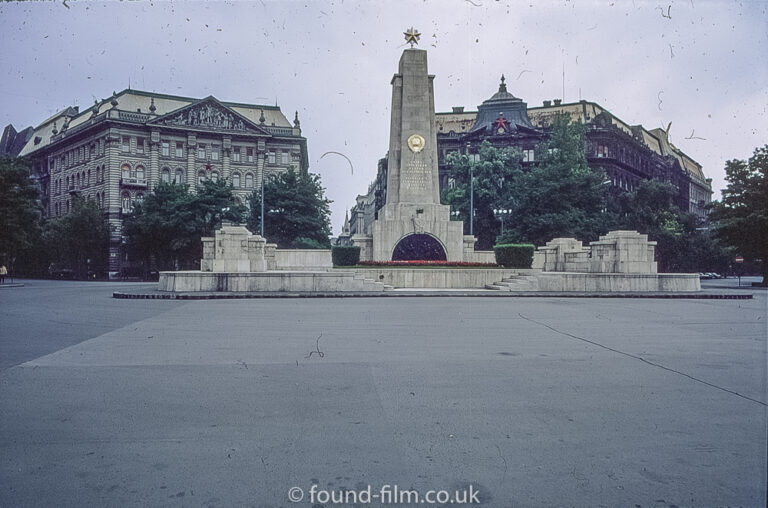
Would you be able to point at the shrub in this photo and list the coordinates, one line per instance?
(347, 255)
(514, 255)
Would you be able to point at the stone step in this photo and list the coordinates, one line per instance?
(518, 283)
(496, 287)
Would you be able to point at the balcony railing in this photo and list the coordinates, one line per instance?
(134, 182)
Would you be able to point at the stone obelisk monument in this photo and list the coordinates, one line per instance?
(413, 224)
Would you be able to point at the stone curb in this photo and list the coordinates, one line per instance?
(414, 294)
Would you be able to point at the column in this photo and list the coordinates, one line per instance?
(191, 174)
(154, 170)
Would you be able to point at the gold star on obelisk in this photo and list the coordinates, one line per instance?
(412, 36)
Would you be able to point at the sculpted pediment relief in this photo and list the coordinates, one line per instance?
(208, 114)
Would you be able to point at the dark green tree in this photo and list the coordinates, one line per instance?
(79, 240)
(561, 195)
(164, 231)
(297, 212)
(494, 171)
(19, 211)
(740, 218)
(684, 243)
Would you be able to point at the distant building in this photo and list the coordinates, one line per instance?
(117, 150)
(12, 142)
(627, 153)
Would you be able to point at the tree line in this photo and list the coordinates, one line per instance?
(560, 196)
(162, 232)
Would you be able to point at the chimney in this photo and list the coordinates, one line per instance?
(557, 101)
(547, 104)
(458, 109)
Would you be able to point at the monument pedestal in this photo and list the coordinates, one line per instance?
(404, 228)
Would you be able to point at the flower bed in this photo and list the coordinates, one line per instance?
(413, 263)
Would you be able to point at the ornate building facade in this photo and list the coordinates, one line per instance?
(117, 150)
(627, 153)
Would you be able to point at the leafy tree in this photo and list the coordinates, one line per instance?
(494, 172)
(297, 212)
(164, 230)
(741, 217)
(19, 211)
(561, 195)
(79, 240)
(683, 241)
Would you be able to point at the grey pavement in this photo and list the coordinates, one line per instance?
(533, 402)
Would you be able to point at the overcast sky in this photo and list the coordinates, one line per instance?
(700, 65)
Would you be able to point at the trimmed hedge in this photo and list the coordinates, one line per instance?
(345, 255)
(514, 255)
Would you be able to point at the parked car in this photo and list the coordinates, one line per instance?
(58, 272)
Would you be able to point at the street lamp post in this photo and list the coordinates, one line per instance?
(262, 203)
(501, 213)
(471, 190)
(471, 199)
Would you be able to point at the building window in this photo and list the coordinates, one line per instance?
(140, 172)
(236, 154)
(214, 152)
(179, 149)
(249, 154)
(528, 155)
(201, 151)
(271, 157)
(602, 150)
(126, 144)
(236, 180)
(165, 149)
(139, 145)
(125, 171)
(200, 177)
(286, 158)
(248, 181)
(125, 201)
(165, 175)
(215, 176)
(179, 176)
(88, 181)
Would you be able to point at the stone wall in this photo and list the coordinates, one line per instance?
(233, 249)
(445, 278)
(303, 259)
(616, 252)
(278, 281)
(618, 282)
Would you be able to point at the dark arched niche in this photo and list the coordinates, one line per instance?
(418, 247)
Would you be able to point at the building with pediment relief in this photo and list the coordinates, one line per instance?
(117, 150)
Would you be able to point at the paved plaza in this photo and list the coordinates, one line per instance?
(534, 402)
